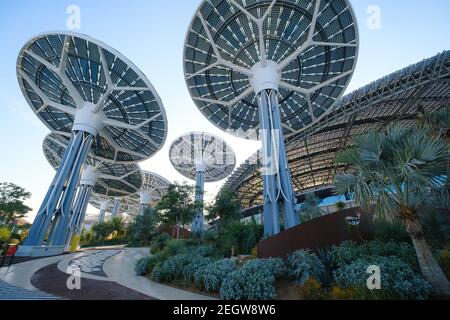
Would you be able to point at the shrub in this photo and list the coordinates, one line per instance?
(194, 270)
(338, 293)
(304, 265)
(159, 242)
(273, 266)
(141, 267)
(349, 252)
(311, 290)
(147, 264)
(172, 268)
(202, 251)
(247, 284)
(216, 272)
(444, 261)
(240, 237)
(5, 234)
(396, 276)
(387, 231)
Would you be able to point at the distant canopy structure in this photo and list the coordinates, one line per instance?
(202, 157)
(86, 91)
(107, 179)
(153, 188)
(268, 69)
(116, 206)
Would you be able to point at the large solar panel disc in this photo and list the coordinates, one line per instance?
(155, 185)
(60, 72)
(127, 204)
(199, 148)
(314, 44)
(114, 180)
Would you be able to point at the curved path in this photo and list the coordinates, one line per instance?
(105, 274)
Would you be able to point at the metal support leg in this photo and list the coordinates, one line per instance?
(103, 208)
(142, 208)
(276, 175)
(116, 208)
(79, 212)
(63, 214)
(197, 224)
(283, 166)
(59, 198)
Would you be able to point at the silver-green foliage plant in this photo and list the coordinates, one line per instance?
(349, 251)
(255, 280)
(305, 264)
(214, 274)
(396, 276)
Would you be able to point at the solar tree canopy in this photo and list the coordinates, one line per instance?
(312, 46)
(155, 185)
(114, 179)
(61, 72)
(128, 204)
(195, 149)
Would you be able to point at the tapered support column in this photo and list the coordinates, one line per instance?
(87, 184)
(116, 208)
(197, 223)
(144, 202)
(103, 208)
(276, 175)
(56, 208)
(58, 201)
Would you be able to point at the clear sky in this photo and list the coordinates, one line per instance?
(151, 34)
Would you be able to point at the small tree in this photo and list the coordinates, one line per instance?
(177, 206)
(226, 207)
(143, 228)
(12, 198)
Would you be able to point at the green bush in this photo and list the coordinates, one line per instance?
(203, 251)
(194, 271)
(388, 231)
(5, 234)
(145, 265)
(444, 261)
(349, 252)
(255, 280)
(305, 264)
(242, 237)
(215, 273)
(396, 276)
(273, 266)
(247, 284)
(172, 268)
(159, 242)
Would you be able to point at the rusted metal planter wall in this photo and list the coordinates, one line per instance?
(323, 232)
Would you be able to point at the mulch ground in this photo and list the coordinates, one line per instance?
(51, 280)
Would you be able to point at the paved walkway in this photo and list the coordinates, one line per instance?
(105, 274)
(9, 292)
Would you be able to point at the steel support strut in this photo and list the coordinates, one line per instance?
(197, 223)
(59, 198)
(277, 182)
(79, 212)
(116, 208)
(103, 208)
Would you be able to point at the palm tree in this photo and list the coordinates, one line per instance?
(399, 170)
(118, 225)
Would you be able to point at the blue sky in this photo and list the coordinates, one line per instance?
(151, 34)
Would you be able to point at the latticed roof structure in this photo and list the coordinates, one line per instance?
(312, 152)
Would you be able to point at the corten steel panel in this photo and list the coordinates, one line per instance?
(320, 233)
